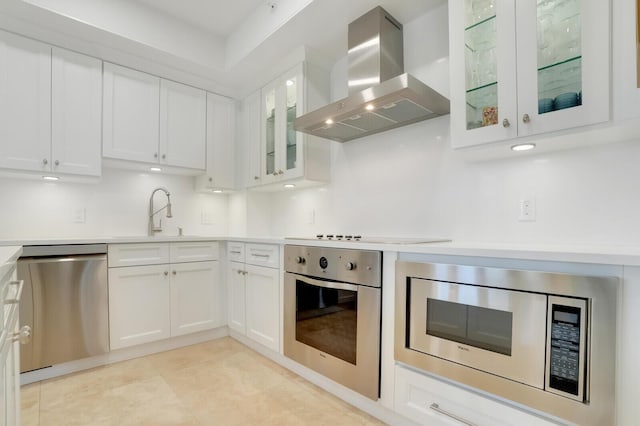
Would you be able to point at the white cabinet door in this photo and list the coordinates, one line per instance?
(183, 121)
(139, 305)
(263, 305)
(131, 110)
(195, 297)
(236, 296)
(76, 113)
(249, 162)
(194, 251)
(25, 103)
(220, 170)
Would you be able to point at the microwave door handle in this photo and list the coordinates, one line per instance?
(327, 284)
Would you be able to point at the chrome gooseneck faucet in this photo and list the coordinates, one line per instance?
(152, 228)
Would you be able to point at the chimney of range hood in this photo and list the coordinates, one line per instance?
(381, 96)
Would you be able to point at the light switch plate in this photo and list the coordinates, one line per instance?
(79, 215)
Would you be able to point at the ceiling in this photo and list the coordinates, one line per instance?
(219, 17)
(226, 46)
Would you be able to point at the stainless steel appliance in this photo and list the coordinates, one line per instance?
(65, 302)
(332, 306)
(381, 95)
(545, 340)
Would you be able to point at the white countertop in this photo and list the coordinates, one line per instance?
(593, 254)
(9, 254)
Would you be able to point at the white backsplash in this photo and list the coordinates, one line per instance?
(117, 206)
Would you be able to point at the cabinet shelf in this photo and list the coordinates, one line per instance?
(482, 96)
(560, 77)
(480, 23)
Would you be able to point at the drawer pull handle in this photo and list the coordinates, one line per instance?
(266, 256)
(15, 300)
(235, 252)
(435, 407)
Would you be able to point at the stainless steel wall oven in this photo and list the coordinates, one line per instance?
(332, 304)
(545, 340)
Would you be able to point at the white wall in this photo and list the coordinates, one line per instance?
(409, 182)
(117, 206)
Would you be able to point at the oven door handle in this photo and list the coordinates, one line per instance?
(326, 284)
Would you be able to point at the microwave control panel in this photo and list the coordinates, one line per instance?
(565, 351)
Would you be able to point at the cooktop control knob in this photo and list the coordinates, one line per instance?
(348, 237)
(319, 236)
(323, 262)
(329, 236)
(350, 266)
(300, 260)
(339, 237)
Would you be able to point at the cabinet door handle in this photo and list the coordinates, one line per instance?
(166, 273)
(506, 123)
(174, 272)
(23, 335)
(164, 156)
(256, 178)
(526, 118)
(45, 161)
(56, 163)
(435, 407)
(15, 300)
(244, 272)
(155, 155)
(280, 172)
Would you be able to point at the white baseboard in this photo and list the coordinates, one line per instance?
(122, 355)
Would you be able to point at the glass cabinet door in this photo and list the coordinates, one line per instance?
(559, 54)
(291, 87)
(269, 99)
(481, 76)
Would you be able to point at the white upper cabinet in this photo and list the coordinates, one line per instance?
(220, 158)
(521, 68)
(284, 154)
(183, 117)
(248, 161)
(131, 111)
(25, 103)
(151, 120)
(50, 108)
(76, 126)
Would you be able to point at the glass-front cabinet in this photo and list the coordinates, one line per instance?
(282, 101)
(526, 67)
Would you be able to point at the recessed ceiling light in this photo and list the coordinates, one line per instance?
(370, 107)
(523, 147)
(289, 185)
(155, 169)
(50, 178)
(217, 191)
(329, 121)
(289, 82)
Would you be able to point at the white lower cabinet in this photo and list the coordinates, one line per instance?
(254, 292)
(429, 401)
(195, 296)
(262, 305)
(9, 347)
(158, 301)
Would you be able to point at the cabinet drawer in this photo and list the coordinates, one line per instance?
(429, 401)
(137, 254)
(193, 251)
(235, 251)
(263, 255)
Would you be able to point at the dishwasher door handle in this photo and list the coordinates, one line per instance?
(58, 259)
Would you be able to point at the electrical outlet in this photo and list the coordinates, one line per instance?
(527, 209)
(79, 215)
(207, 217)
(311, 217)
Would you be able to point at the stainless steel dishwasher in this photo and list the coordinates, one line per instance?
(65, 302)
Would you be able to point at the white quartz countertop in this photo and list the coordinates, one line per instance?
(9, 254)
(594, 254)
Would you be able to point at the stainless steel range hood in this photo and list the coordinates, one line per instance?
(381, 96)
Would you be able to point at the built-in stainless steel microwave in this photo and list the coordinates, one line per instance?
(545, 340)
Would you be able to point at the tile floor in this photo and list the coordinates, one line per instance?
(220, 382)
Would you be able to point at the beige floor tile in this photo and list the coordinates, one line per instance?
(30, 405)
(220, 382)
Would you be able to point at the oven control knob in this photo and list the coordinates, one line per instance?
(323, 262)
(300, 260)
(350, 266)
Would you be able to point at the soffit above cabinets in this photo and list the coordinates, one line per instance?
(224, 43)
